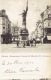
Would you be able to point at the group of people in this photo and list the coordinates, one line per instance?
(33, 42)
(28, 43)
(23, 44)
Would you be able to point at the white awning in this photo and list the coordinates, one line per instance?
(49, 37)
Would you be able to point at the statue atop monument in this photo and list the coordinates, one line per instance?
(24, 14)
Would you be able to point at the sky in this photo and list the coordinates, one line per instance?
(15, 7)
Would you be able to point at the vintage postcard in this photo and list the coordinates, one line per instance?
(25, 39)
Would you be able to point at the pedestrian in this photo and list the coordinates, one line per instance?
(17, 43)
(24, 44)
(34, 40)
(31, 42)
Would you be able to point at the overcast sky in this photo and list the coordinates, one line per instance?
(15, 7)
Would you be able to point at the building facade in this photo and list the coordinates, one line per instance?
(34, 34)
(39, 29)
(5, 27)
(37, 34)
(15, 30)
(46, 23)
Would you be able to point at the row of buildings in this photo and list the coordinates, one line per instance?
(43, 26)
(10, 33)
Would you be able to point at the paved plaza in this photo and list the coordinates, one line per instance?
(42, 48)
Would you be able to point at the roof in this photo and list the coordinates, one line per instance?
(3, 15)
(48, 8)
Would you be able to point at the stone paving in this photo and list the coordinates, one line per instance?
(38, 48)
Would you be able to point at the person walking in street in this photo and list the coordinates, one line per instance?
(24, 44)
(34, 41)
(18, 43)
(31, 42)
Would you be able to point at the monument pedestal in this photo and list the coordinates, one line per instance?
(24, 35)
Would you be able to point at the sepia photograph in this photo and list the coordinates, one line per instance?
(25, 25)
(25, 39)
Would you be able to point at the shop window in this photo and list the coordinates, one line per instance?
(49, 30)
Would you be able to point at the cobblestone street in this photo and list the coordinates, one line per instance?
(40, 48)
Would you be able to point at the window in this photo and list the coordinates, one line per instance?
(48, 23)
(49, 30)
(3, 32)
(3, 20)
(39, 26)
(49, 16)
(3, 27)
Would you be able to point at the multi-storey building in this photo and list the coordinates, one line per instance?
(5, 27)
(15, 33)
(34, 34)
(46, 23)
(39, 29)
(38, 33)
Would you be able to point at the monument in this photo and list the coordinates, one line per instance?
(24, 32)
